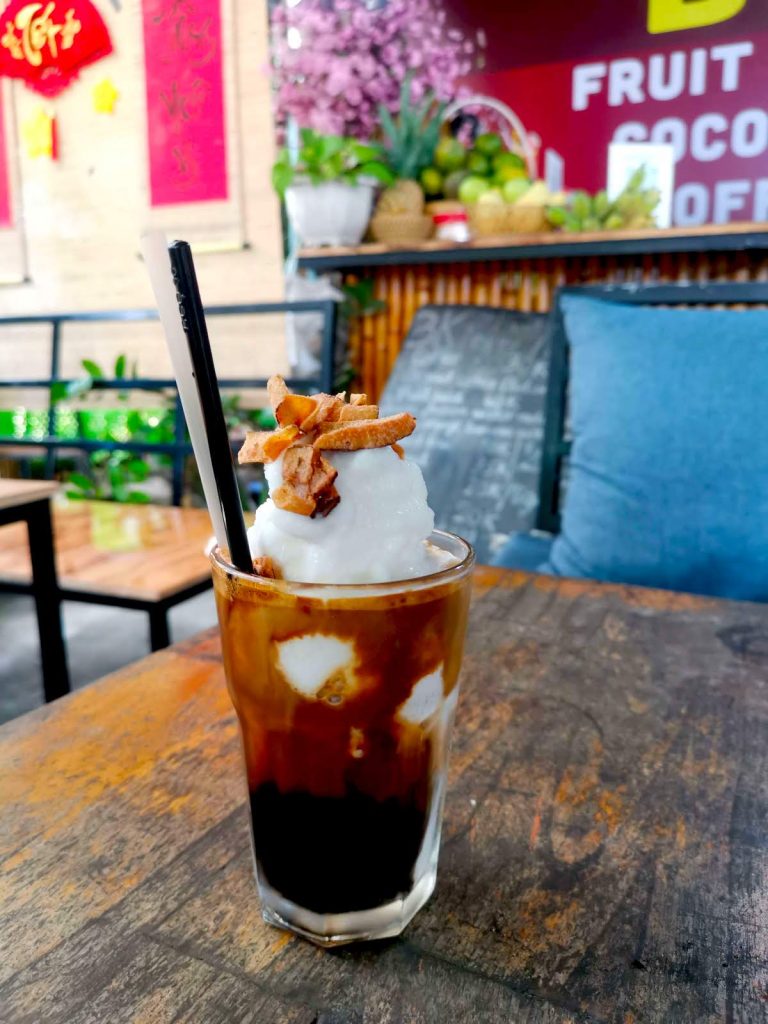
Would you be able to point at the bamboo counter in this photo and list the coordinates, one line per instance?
(522, 272)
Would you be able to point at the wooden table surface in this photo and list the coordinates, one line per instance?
(605, 853)
(20, 492)
(102, 547)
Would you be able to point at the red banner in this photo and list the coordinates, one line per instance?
(185, 101)
(46, 44)
(6, 212)
(640, 72)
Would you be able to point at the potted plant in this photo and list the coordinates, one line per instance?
(411, 142)
(328, 189)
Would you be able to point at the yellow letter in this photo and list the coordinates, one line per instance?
(674, 15)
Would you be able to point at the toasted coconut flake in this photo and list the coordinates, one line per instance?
(308, 481)
(361, 399)
(294, 408)
(368, 433)
(398, 450)
(287, 498)
(266, 445)
(358, 412)
(277, 390)
(328, 407)
(266, 567)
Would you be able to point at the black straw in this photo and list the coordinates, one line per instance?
(193, 321)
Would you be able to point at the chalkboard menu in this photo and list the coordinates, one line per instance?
(475, 378)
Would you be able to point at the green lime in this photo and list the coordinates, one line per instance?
(472, 188)
(452, 182)
(478, 164)
(514, 188)
(489, 143)
(502, 160)
(431, 181)
(507, 173)
(450, 154)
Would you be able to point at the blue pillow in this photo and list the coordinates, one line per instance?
(668, 473)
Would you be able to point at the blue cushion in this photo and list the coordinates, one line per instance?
(527, 551)
(668, 482)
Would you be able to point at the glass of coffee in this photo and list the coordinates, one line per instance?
(345, 694)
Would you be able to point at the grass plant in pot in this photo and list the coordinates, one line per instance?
(328, 189)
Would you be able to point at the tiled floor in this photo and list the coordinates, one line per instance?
(99, 641)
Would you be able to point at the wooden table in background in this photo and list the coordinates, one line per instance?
(605, 854)
(144, 557)
(27, 503)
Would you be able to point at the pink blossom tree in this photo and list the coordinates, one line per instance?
(335, 61)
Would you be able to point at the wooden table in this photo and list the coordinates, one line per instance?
(605, 852)
(27, 503)
(143, 557)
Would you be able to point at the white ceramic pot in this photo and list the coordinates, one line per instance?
(333, 213)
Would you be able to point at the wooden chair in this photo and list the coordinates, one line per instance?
(143, 557)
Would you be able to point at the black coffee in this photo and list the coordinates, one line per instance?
(335, 854)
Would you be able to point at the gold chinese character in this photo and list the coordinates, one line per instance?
(38, 30)
(10, 42)
(69, 29)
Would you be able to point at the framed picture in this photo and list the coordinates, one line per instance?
(624, 158)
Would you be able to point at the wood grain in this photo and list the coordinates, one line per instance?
(147, 552)
(19, 492)
(605, 854)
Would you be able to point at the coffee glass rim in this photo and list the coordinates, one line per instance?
(441, 576)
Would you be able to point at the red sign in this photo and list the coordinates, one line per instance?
(672, 71)
(6, 213)
(186, 131)
(46, 44)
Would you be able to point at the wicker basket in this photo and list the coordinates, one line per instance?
(515, 136)
(526, 220)
(396, 228)
(486, 220)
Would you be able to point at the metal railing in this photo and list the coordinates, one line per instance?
(180, 447)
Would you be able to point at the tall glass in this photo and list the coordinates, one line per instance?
(345, 696)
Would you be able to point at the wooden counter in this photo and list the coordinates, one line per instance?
(522, 272)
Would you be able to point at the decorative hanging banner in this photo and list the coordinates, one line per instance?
(47, 44)
(186, 130)
(6, 209)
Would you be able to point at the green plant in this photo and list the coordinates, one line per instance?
(633, 208)
(113, 475)
(412, 139)
(359, 299)
(330, 158)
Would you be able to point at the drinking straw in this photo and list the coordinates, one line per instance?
(173, 279)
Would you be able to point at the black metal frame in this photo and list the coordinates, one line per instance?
(180, 448)
(564, 246)
(44, 587)
(556, 447)
(45, 591)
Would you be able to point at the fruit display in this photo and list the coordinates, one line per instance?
(632, 208)
(458, 172)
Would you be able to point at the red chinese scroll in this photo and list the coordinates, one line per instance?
(6, 215)
(186, 132)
